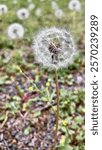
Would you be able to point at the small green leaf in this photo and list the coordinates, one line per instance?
(3, 79)
(37, 113)
(15, 97)
(27, 130)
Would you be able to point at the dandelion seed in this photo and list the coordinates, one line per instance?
(31, 6)
(23, 13)
(38, 12)
(15, 31)
(3, 9)
(59, 13)
(75, 5)
(53, 47)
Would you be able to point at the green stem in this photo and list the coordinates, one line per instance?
(74, 21)
(34, 148)
(57, 113)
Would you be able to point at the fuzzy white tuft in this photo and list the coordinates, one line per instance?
(75, 5)
(23, 13)
(15, 31)
(3, 9)
(53, 47)
(59, 13)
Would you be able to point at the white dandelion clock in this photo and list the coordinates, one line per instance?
(75, 5)
(38, 12)
(59, 13)
(31, 6)
(53, 47)
(15, 31)
(3, 9)
(23, 13)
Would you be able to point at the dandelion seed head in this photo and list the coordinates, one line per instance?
(53, 47)
(58, 13)
(3, 9)
(23, 13)
(75, 5)
(15, 31)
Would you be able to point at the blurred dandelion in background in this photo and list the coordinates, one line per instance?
(54, 5)
(75, 5)
(31, 6)
(59, 13)
(3, 9)
(38, 12)
(15, 31)
(23, 13)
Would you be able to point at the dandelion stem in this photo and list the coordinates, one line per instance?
(57, 113)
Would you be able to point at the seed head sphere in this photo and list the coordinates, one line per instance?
(15, 31)
(53, 47)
